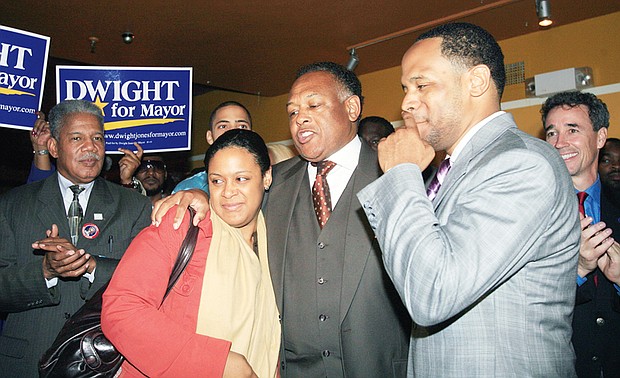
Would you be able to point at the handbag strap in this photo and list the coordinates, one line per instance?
(185, 253)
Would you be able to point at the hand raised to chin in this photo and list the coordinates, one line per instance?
(405, 146)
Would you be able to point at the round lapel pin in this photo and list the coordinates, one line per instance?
(90, 231)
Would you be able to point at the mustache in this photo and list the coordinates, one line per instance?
(89, 155)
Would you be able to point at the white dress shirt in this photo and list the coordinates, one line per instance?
(67, 197)
(346, 160)
(470, 134)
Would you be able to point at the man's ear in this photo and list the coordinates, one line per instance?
(354, 107)
(601, 137)
(479, 80)
(209, 137)
(52, 147)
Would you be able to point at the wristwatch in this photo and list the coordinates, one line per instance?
(42, 152)
(135, 185)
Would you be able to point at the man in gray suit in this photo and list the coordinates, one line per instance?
(486, 268)
(47, 272)
(341, 316)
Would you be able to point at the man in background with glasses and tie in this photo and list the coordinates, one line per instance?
(576, 125)
(61, 237)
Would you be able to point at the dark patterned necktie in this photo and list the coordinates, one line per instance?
(435, 184)
(320, 192)
(75, 213)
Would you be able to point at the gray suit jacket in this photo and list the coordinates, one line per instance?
(374, 326)
(487, 270)
(37, 313)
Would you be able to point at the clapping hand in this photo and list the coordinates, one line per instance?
(63, 259)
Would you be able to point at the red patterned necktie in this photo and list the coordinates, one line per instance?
(435, 184)
(320, 192)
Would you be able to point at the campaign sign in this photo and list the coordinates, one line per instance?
(23, 61)
(148, 105)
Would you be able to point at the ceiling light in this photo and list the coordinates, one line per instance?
(353, 60)
(93, 43)
(543, 10)
(127, 37)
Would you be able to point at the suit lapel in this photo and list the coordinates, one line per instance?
(51, 206)
(102, 206)
(286, 187)
(478, 143)
(358, 231)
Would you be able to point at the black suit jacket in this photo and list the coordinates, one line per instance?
(36, 313)
(596, 322)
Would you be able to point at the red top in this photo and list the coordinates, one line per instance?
(161, 342)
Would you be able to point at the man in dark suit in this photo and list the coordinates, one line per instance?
(576, 125)
(340, 313)
(341, 316)
(46, 270)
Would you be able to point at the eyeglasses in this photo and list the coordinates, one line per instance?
(157, 165)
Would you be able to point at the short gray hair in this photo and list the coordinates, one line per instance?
(61, 111)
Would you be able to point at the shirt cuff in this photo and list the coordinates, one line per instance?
(581, 280)
(90, 276)
(51, 282)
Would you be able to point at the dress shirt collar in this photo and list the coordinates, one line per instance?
(67, 194)
(470, 134)
(348, 156)
(346, 160)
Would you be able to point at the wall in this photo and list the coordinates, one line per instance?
(565, 47)
(544, 51)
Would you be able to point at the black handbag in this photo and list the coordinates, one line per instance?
(81, 349)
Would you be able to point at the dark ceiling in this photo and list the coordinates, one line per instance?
(249, 46)
(255, 46)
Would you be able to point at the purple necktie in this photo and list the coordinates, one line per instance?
(435, 184)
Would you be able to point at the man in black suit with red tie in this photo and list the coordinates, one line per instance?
(576, 125)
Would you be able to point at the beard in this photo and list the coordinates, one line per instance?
(152, 192)
(445, 127)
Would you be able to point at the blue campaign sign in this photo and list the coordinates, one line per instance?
(23, 61)
(148, 105)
